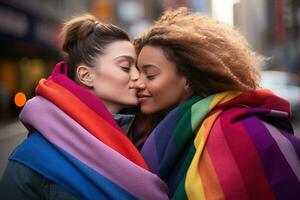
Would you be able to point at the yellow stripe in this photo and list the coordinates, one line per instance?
(194, 184)
(223, 97)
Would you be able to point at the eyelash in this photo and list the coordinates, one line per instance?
(126, 69)
(151, 77)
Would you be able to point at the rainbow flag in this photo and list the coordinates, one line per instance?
(75, 142)
(229, 145)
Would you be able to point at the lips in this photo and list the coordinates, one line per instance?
(143, 97)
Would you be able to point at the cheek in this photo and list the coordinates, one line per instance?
(125, 78)
(120, 76)
(167, 86)
(167, 93)
(114, 76)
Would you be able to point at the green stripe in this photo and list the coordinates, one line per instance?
(183, 129)
(188, 158)
(180, 193)
(190, 115)
(199, 110)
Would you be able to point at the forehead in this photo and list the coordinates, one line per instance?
(155, 51)
(120, 48)
(153, 55)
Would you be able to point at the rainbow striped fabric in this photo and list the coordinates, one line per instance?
(227, 146)
(76, 143)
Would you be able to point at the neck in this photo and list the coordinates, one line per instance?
(113, 108)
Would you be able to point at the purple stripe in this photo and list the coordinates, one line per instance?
(281, 177)
(286, 149)
(164, 136)
(281, 121)
(150, 154)
(169, 157)
(294, 140)
(278, 118)
(87, 97)
(58, 128)
(160, 147)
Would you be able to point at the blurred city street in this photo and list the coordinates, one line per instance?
(11, 134)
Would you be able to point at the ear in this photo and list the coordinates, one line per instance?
(84, 75)
(187, 87)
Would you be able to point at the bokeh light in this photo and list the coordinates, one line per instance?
(20, 99)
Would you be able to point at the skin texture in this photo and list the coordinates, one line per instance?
(160, 86)
(113, 75)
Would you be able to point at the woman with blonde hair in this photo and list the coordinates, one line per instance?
(77, 146)
(220, 136)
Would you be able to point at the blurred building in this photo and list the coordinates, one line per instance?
(283, 34)
(29, 44)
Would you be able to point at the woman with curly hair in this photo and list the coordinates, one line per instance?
(220, 136)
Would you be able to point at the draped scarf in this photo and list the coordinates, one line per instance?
(75, 142)
(230, 145)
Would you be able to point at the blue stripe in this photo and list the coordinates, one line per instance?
(163, 132)
(62, 168)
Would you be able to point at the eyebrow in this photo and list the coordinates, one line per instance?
(146, 66)
(125, 56)
(149, 65)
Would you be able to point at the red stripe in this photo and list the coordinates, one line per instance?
(261, 99)
(245, 155)
(88, 119)
(228, 173)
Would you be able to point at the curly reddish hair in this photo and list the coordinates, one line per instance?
(213, 56)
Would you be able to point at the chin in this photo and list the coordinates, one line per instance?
(147, 110)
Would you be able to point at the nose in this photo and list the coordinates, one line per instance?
(139, 84)
(134, 74)
(136, 81)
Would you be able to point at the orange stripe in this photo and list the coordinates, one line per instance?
(212, 188)
(194, 183)
(89, 120)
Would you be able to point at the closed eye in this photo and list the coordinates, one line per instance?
(151, 77)
(125, 68)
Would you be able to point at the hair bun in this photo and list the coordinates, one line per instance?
(76, 30)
